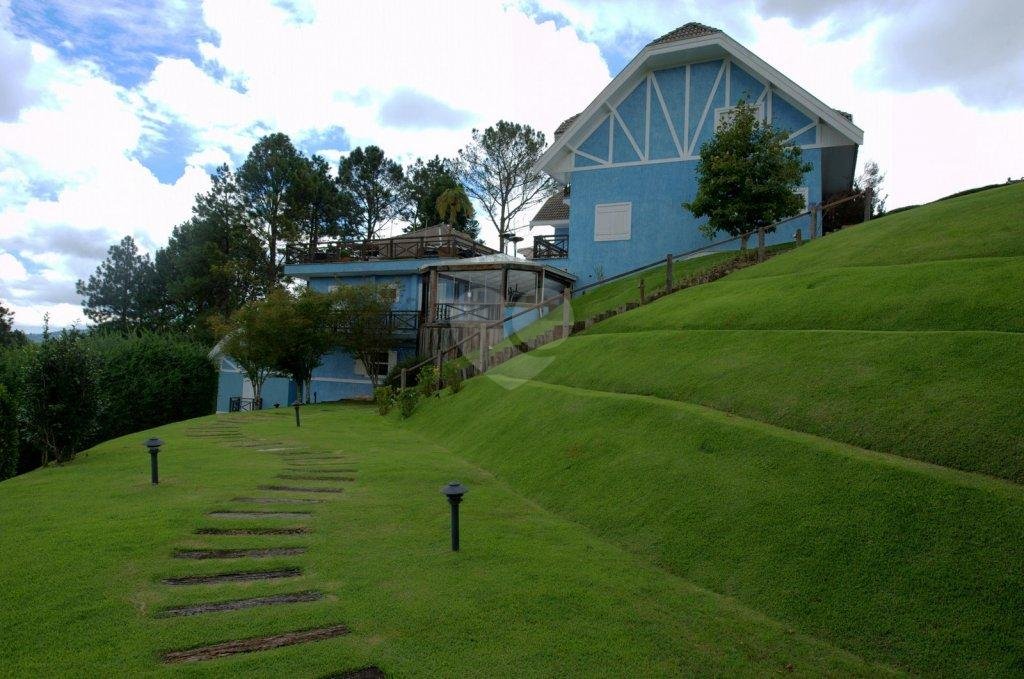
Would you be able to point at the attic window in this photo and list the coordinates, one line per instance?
(613, 221)
(724, 116)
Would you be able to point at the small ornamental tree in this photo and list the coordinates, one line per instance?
(746, 176)
(250, 338)
(60, 397)
(362, 323)
(304, 335)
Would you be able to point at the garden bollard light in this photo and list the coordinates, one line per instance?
(454, 491)
(297, 405)
(154, 447)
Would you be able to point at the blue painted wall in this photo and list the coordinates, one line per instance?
(660, 225)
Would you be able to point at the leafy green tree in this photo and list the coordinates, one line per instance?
(9, 337)
(425, 184)
(746, 176)
(124, 294)
(363, 326)
(249, 337)
(496, 169)
(213, 263)
(320, 208)
(453, 206)
(265, 180)
(377, 187)
(60, 398)
(304, 334)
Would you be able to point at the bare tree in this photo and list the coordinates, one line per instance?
(496, 168)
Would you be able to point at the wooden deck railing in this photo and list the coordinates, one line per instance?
(399, 247)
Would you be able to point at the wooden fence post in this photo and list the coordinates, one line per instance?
(799, 237)
(566, 311)
(814, 222)
(668, 273)
(643, 297)
(403, 378)
(760, 244)
(483, 347)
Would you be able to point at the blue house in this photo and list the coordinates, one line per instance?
(449, 288)
(627, 162)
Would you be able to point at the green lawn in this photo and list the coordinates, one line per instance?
(773, 473)
(531, 593)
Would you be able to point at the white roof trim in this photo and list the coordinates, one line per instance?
(746, 58)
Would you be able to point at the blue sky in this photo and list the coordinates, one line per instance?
(112, 114)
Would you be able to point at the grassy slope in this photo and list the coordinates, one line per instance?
(936, 396)
(899, 561)
(532, 593)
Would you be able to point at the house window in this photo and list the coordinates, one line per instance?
(723, 116)
(613, 221)
(803, 193)
(380, 364)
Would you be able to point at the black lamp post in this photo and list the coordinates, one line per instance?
(154, 447)
(454, 491)
(297, 405)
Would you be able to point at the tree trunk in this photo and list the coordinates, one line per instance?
(743, 241)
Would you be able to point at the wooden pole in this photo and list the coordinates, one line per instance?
(760, 244)
(643, 297)
(668, 272)
(814, 222)
(403, 378)
(566, 311)
(799, 237)
(483, 347)
(432, 297)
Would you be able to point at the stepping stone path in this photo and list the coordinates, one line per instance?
(319, 471)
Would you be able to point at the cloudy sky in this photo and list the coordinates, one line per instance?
(113, 112)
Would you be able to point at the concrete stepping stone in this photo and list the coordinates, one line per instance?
(254, 514)
(371, 672)
(277, 500)
(314, 477)
(254, 644)
(320, 470)
(297, 489)
(239, 576)
(297, 530)
(240, 604)
(250, 552)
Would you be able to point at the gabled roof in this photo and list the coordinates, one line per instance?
(685, 32)
(554, 210)
(693, 40)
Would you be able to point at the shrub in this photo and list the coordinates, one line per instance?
(430, 380)
(8, 435)
(394, 378)
(148, 380)
(453, 377)
(385, 398)
(60, 397)
(407, 399)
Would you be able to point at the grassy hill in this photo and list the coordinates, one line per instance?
(809, 466)
(800, 435)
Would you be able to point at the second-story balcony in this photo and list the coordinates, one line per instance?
(403, 324)
(551, 247)
(434, 242)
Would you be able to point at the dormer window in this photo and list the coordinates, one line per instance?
(724, 116)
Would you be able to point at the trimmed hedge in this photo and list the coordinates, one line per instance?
(148, 380)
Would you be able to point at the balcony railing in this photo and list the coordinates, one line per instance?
(399, 247)
(551, 247)
(468, 312)
(402, 323)
(239, 404)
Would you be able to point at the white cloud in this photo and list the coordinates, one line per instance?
(11, 269)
